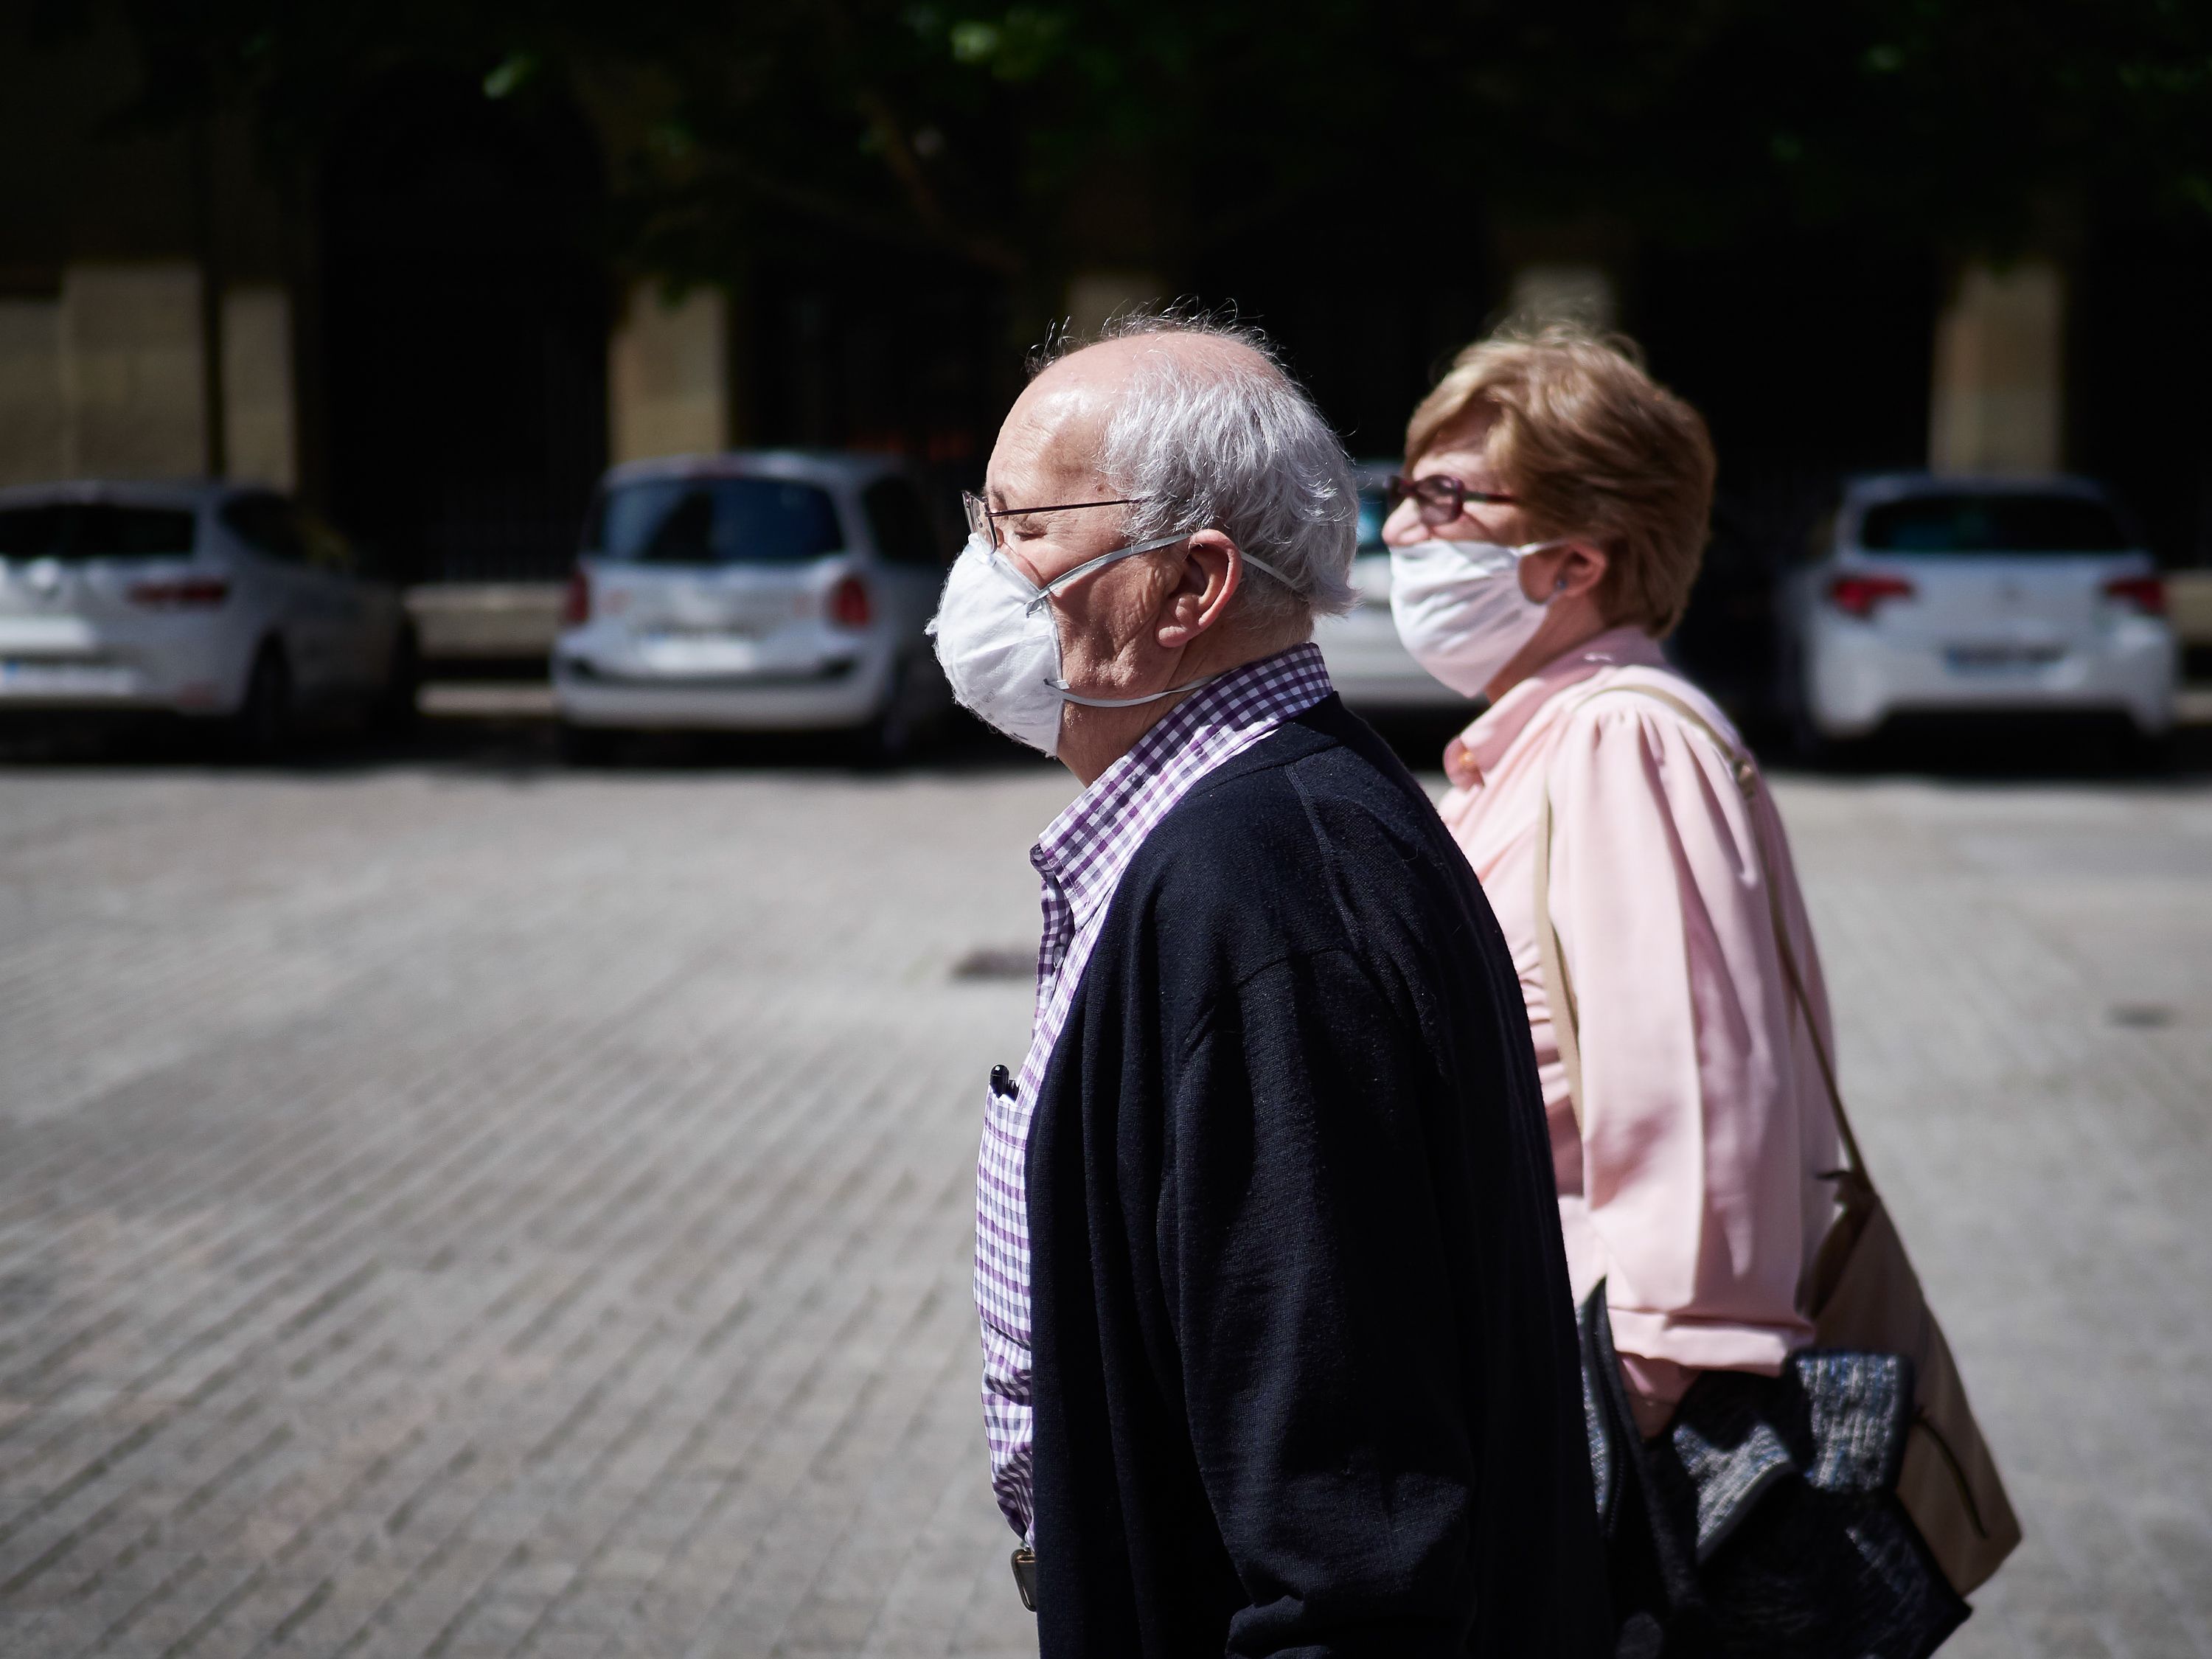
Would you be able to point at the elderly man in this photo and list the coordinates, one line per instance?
(1278, 1355)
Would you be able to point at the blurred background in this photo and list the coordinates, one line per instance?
(489, 1173)
(434, 267)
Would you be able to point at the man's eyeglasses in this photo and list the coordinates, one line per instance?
(982, 518)
(1443, 497)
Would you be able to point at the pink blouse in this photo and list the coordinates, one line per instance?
(1693, 1188)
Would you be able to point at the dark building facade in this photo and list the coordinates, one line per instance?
(431, 331)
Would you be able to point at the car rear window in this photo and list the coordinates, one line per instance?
(2000, 523)
(92, 530)
(901, 523)
(714, 521)
(269, 525)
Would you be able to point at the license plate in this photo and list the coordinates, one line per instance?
(719, 653)
(705, 633)
(2001, 659)
(32, 678)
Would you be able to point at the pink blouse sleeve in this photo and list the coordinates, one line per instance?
(1695, 1165)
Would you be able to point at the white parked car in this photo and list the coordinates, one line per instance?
(761, 591)
(1371, 670)
(217, 602)
(1929, 594)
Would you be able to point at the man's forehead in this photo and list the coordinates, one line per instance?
(1055, 433)
(1056, 429)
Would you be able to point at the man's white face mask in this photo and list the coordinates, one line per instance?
(1460, 609)
(999, 640)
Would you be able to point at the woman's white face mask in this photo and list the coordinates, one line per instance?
(1460, 609)
(999, 640)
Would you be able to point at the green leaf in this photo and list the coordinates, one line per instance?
(514, 71)
(975, 41)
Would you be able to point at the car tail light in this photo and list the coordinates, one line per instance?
(849, 603)
(184, 594)
(2146, 593)
(576, 603)
(1858, 596)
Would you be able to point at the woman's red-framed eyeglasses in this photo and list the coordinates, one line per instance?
(1443, 497)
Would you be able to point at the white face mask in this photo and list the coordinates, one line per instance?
(999, 640)
(1460, 609)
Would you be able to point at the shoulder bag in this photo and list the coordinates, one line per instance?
(1861, 1294)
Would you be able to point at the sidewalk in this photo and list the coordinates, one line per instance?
(464, 1208)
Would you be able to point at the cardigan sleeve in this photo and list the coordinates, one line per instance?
(1303, 1274)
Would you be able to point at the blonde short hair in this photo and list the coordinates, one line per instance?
(1595, 449)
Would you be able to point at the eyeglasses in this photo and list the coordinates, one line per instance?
(1443, 497)
(982, 518)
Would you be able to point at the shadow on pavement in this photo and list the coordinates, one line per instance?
(1985, 750)
(501, 745)
(2009, 749)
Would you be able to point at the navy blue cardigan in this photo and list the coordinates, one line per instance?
(1306, 1379)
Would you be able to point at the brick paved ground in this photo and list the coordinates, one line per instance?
(2023, 977)
(460, 1208)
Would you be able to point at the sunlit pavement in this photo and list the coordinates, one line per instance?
(452, 1207)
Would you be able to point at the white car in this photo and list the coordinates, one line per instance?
(1931, 594)
(781, 591)
(217, 602)
(1370, 668)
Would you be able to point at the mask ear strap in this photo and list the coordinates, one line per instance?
(1528, 547)
(1157, 542)
(1060, 686)
(1104, 559)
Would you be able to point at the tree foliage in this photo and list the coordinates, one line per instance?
(1024, 139)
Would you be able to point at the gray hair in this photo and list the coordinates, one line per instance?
(1235, 445)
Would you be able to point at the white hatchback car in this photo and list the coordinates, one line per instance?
(1368, 663)
(1929, 594)
(214, 601)
(757, 591)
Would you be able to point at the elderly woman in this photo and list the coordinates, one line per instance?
(1544, 542)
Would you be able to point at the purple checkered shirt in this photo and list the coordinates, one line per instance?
(1080, 857)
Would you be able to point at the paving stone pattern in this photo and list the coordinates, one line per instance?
(455, 1211)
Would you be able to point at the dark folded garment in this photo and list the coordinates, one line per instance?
(1764, 1522)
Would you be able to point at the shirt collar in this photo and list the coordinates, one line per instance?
(1087, 847)
(1497, 726)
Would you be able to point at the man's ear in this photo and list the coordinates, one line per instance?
(1208, 572)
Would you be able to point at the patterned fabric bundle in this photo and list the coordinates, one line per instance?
(1832, 1568)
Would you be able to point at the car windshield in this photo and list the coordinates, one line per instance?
(93, 530)
(1992, 523)
(714, 521)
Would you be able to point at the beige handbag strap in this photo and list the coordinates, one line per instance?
(1566, 1015)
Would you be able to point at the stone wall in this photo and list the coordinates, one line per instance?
(1998, 400)
(667, 376)
(103, 380)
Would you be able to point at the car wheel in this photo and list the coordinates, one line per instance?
(1808, 742)
(262, 729)
(2152, 753)
(895, 733)
(1811, 746)
(589, 745)
(397, 703)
